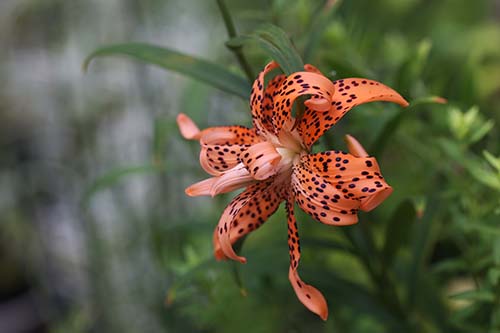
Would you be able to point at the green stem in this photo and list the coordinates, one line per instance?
(231, 31)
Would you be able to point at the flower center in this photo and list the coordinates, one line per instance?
(289, 146)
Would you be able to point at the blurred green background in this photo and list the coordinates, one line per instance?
(97, 235)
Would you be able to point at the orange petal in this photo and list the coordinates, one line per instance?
(355, 147)
(320, 198)
(252, 215)
(299, 84)
(375, 199)
(187, 127)
(231, 217)
(222, 146)
(201, 188)
(312, 69)
(307, 294)
(267, 112)
(231, 180)
(357, 179)
(260, 121)
(261, 160)
(348, 94)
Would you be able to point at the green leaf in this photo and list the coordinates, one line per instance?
(398, 230)
(318, 26)
(208, 72)
(494, 161)
(393, 124)
(421, 242)
(475, 295)
(357, 297)
(276, 44)
(112, 178)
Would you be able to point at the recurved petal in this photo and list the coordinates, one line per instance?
(270, 93)
(307, 294)
(320, 198)
(348, 94)
(376, 198)
(221, 147)
(252, 215)
(358, 180)
(187, 127)
(261, 160)
(231, 180)
(246, 212)
(299, 84)
(312, 69)
(257, 95)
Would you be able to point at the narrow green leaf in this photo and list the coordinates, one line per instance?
(318, 26)
(276, 44)
(357, 297)
(393, 124)
(475, 295)
(421, 240)
(113, 177)
(398, 230)
(208, 72)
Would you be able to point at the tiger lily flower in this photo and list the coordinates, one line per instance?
(272, 161)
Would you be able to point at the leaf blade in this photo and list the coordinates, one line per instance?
(208, 72)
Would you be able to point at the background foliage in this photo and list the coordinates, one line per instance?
(96, 234)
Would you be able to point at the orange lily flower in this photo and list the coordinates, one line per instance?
(273, 161)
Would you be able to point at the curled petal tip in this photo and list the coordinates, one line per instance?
(355, 147)
(318, 104)
(242, 260)
(187, 127)
(403, 102)
(440, 100)
(201, 188)
(324, 315)
(373, 201)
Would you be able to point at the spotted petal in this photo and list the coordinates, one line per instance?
(319, 197)
(308, 295)
(245, 213)
(348, 94)
(261, 160)
(299, 84)
(257, 208)
(257, 95)
(375, 198)
(331, 186)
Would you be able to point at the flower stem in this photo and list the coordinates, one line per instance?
(231, 31)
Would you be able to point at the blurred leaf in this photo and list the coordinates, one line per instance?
(471, 163)
(359, 298)
(469, 126)
(327, 244)
(494, 276)
(161, 131)
(450, 265)
(496, 251)
(276, 44)
(475, 295)
(208, 72)
(421, 238)
(494, 161)
(393, 124)
(398, 230)
(483, 228)
(412, 69)
(319, 23)
(113, 177)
